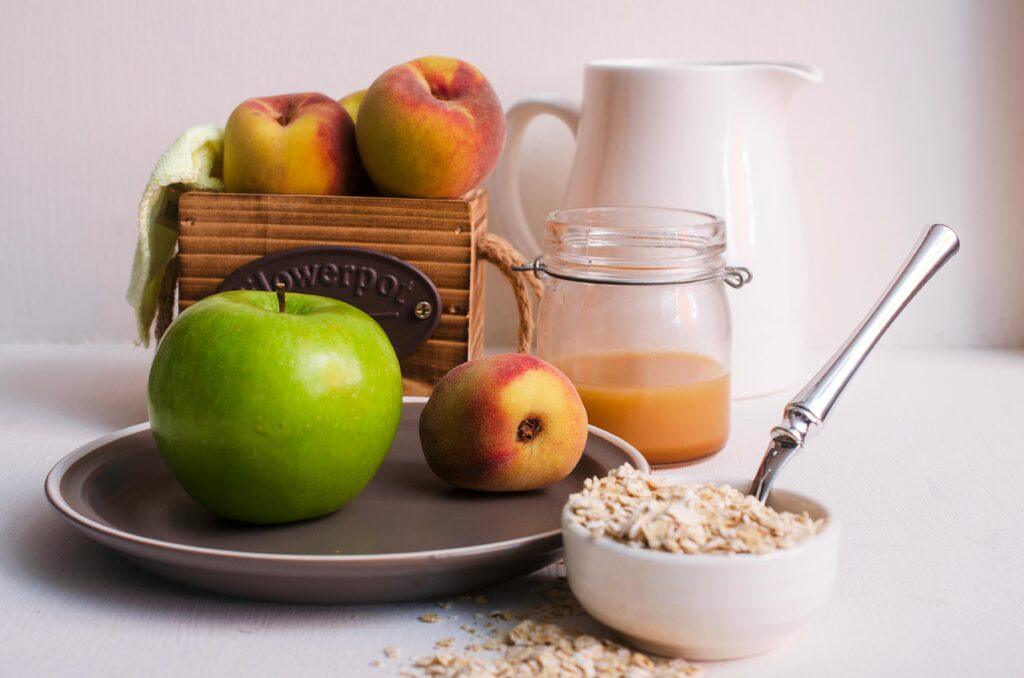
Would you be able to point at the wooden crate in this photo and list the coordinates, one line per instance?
(220, 232)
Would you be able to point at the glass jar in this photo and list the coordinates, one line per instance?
(635, 313)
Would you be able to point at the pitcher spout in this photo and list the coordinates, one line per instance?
(804, 72)
(784, 78)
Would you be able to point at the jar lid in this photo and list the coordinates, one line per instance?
(636, 246)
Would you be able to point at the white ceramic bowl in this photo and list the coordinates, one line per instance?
(705, 607)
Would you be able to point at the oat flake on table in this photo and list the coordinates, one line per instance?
(640, 510)
(541, 646)
(534, 648)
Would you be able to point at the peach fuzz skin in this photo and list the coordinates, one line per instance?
(293, 143)
(430, 128)
(503, 423)
(350, 102)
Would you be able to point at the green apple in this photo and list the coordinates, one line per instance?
(270, 409)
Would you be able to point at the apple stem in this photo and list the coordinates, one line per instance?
(528, 429)
(280, 296)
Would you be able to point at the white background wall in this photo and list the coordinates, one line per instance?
(920, 119)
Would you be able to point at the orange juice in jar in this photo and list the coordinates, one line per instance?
(635, 313)
(672, 406)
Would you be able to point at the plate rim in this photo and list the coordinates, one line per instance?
(52, 489)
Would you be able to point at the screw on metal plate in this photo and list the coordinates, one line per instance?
(423, 310)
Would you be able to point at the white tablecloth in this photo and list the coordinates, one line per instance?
(923, 459)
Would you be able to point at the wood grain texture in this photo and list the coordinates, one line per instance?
(433, 360)
(219, 232)
(368, 234)
(478, 216)
(261, 245)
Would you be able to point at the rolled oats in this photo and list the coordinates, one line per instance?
(540, 646)
(534, 648)
(639, 510)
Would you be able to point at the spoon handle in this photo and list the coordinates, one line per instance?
(938, 243)
(811, 406)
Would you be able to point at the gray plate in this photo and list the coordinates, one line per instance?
(407, 536)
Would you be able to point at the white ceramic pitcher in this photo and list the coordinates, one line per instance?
(709, 137)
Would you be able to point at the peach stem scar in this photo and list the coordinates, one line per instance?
(528, 429)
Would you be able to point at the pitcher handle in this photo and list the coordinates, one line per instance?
(506, 200)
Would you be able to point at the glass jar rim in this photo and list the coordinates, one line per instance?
(635, 244)
(670, 218)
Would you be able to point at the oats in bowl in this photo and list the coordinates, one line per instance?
(699, 571)
(640, 510)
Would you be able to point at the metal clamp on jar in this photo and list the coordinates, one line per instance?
(635, 313)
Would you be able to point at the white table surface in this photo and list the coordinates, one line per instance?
(923, 459)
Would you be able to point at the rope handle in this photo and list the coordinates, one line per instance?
(506, 258)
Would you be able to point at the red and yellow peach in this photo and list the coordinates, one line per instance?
(292, 143)
(350, 102)
(430, 128)
(503, 423)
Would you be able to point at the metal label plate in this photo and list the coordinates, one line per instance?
(395, 293)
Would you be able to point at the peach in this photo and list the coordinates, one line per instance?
(350, 102)
(292, 143)
(503, 423)
(430, 128)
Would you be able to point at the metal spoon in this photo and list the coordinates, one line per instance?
(809, 409)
